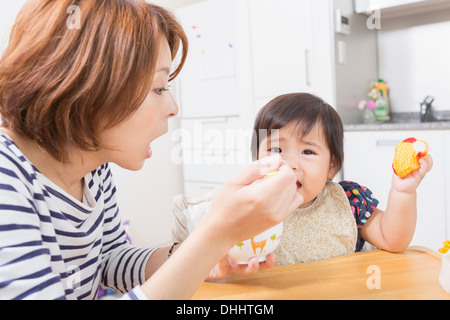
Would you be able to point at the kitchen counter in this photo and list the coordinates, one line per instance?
(403, 121)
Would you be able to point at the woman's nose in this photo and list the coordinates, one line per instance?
(173, 110)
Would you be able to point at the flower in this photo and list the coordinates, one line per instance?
(362, 104)
(374, 94)
(371, 105)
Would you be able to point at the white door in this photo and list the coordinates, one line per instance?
(281, 38)
(209, 79)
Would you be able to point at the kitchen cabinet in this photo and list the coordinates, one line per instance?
(196, 188)
(397, 8)
(214, 149)
(368, 161)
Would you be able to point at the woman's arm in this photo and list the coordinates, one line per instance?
(240, 210)
(180, 276)
(156, 260)
(25, 260)
(393, 229)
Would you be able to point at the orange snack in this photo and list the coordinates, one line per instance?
(407, 155)
(446, 247)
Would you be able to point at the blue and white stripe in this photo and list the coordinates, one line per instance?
(53, 246)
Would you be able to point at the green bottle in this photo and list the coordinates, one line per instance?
(381, 111)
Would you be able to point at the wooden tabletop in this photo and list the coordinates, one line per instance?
(413, 274)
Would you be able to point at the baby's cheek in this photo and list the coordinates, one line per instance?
(312, 189)
(308, 195)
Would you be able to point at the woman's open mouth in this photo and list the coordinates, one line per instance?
(149, 152)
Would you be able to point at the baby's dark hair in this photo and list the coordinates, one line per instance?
(305, 110)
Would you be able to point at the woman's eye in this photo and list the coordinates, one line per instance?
(276, 150)
(161, 90)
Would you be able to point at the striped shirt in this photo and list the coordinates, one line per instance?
(53, 246)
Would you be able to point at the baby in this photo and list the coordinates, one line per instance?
(335, 218)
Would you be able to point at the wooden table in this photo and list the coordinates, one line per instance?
(377, 274)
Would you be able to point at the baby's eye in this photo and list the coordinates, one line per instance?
(308, 152)
(275, 150)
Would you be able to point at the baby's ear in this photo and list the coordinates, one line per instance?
(332, 170)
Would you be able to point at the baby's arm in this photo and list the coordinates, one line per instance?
(187, 213)
(393, 229)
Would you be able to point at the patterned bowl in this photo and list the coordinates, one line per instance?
(259, 246)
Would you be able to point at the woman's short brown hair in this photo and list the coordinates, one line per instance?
(59, 82)
(305, 110)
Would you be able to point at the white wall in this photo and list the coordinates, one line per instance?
(145, 196)
(8, 13)
(414, 57)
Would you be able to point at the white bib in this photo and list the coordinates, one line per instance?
(325, 229)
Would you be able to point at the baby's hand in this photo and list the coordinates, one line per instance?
(411, 182)
(226, 267)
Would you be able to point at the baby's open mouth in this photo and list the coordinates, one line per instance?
(299, 186)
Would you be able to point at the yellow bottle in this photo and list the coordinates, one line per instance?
(383, 87)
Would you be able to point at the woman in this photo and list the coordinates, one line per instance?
(73, 99)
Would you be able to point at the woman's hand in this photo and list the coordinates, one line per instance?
(411, 182)
(240, 210)
(226, 266)
(243, 208)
